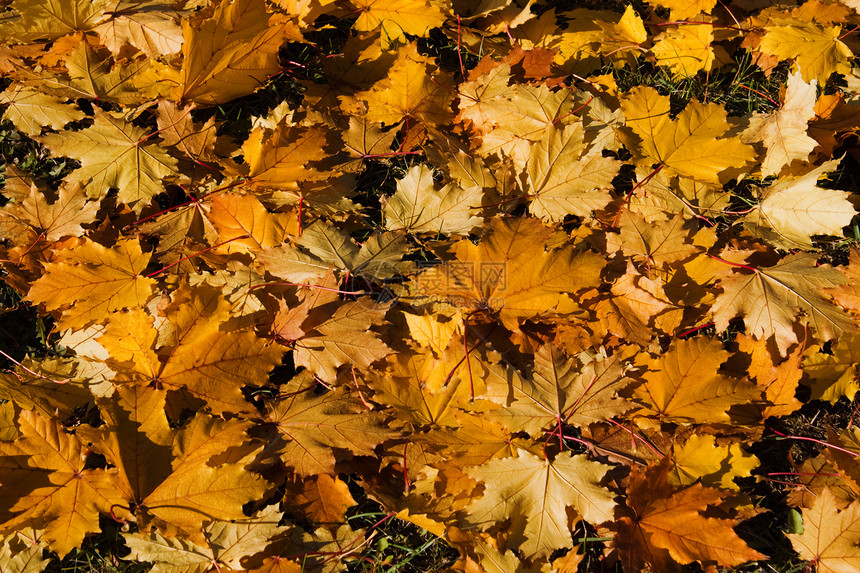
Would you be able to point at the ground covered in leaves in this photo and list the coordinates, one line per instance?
(310, 285)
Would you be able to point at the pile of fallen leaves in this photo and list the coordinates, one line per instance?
(576, 308)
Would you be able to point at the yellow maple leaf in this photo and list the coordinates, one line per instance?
(136, 438)
(398, 17)
(534, 494)
(834, 375)
(794, 209)
(693, 144)
(52, 19)
(638, 309)
(432, 331)
(419, 207)
(313, 428)
(657, 248)
(51, 386)
(197, 361)
(784, 132)
(779, 380)
(30, 110)
(621, 40)
(427, 388)
(155, 33)
(830, 537)
(341, 336)
(53, 485)
(246, 224)
(323, 247)
(685, 386)
(816, 49)
(700, 458)
(412, 89)
(198, 490)
(510, 272)
(61, 218)
(566, 179)
(771, 299)
(115, 153)
(324, 499)
(686, 49)
(93, 73)
(232, 53)
(130, 338)
(683, 9)
(562, 391)
(224, 544)
(91, 281)
(284, 157)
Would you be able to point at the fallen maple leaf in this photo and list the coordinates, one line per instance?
(413, 17)
(155, 33)
(663, 525)
(232, 53)
(45, 20)
(562, 391)
(684, 385)
(779, 379)
(693, 144)
(687, 49)
(312, 428)
(565, 178)
(409, 91)
(426, 389)
(194, 359)
(701, 459)
(784, 131)
(91, 281)
(324, 499)
(61, 218)
(511, 273)
(419, 207)
(535, 494)
(683, 9)
(323, 247)
(244, 224)
(830, 538)
(209, 479)
(771, 298)
(834, 375)
(816, 49)
(52, 486)
(115, 153)
(795, 208)
(92, 73)
(342, 337)
(30, 110)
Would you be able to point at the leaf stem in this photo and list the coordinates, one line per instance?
(459, 49)
(698, 22)
(31, 372)
(739, 265)
(819, 442)
(634, 436)
(694, 329)
(302, 285)
(630, 193)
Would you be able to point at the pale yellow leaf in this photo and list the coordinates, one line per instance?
(784, 131)
(419, 207)
(30, 110)
(795, 208)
